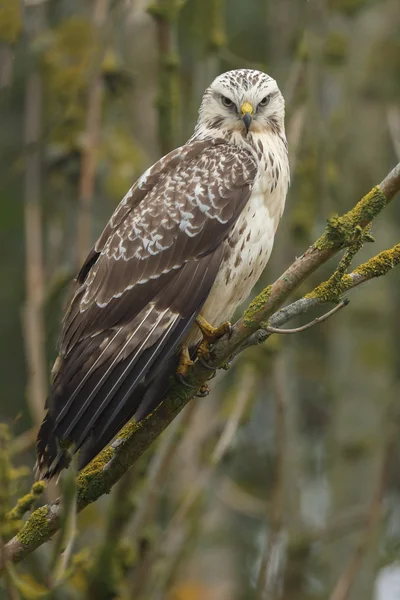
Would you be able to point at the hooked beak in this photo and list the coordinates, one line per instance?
(247, 114)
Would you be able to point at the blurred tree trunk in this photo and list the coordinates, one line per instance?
(34, 326)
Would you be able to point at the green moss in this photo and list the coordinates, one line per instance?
(331, 290)
(91, 482)
(368, 207)
(343, 231)
(255, 306)
(339, 282)
(37, 529)
(380, 264)
(25, 503)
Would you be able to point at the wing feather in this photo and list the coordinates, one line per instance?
(139, 291)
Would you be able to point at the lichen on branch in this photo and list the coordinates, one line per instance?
(112, 463)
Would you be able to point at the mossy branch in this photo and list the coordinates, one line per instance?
(112, 463)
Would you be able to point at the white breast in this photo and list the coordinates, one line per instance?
(250, 243)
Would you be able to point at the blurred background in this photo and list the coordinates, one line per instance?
(284, 483)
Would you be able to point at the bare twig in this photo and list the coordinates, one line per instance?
(311, 323)
(100, 475)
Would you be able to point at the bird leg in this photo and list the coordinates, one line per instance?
(184, 363)
(210, 336)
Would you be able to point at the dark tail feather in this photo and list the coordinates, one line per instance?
(133, 395)
(51, 458)
(147, 398)
(138, 402)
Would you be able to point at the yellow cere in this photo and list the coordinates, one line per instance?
(247, 108)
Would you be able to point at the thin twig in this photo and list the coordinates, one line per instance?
(315, 321)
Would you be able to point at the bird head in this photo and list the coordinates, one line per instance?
(243, 101)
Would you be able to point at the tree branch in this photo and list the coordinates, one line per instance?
(109, 466)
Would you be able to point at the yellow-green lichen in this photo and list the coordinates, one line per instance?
(380, 264)
(255, 306)
(331, 290)
(91, 482)
(25, 503)
(339, 282)
(342, 231)
(37, 529)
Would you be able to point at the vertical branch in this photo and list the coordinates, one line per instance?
(217, 35)
(158, 471)
(103, 577)
(91, 139)
(6, 64)
(10, 28)
(166, 13)
(268, 579)
(345, 582)
(34, 269)
(172, 547)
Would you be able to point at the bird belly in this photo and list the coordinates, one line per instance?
(248, 249)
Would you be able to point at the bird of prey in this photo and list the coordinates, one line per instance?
(184, 247)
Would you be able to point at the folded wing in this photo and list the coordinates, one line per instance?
(139, 292)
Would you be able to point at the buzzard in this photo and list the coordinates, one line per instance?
(184, 247)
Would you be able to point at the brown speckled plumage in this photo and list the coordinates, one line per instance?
(193, 234)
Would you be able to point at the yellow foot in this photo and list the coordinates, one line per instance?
(184, 362)
(210, 335)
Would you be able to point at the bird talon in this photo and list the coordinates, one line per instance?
(203, 391)
(212, 334)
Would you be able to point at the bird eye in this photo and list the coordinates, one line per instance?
(226, 101)
(264, 101)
